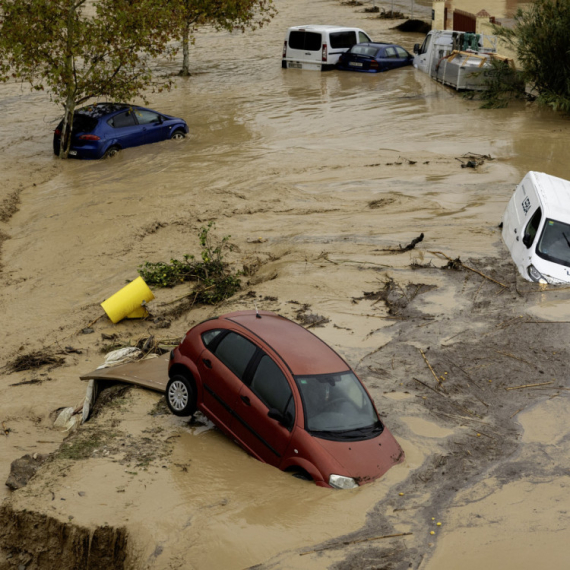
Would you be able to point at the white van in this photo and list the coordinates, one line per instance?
(536, 228)
(318, 47)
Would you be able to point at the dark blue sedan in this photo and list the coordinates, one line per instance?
(374, 57)
(101, 130)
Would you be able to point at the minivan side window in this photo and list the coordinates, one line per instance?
(532, 228)
(271, 387)
(235, 352)
(343, 40)
(363, 38)
(310, 41)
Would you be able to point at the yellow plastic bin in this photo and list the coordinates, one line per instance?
(128, 302)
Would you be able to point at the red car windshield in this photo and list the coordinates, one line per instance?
(336, 403)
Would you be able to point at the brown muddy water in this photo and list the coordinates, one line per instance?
(312, 175)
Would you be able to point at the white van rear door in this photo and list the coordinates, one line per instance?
(303, 46)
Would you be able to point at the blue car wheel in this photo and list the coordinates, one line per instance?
(178, 135)
(111, 151)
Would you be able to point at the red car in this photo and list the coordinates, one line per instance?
(284, 396)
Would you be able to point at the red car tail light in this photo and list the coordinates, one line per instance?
(89, 138)
(324, 52)
(57, 132)
(284, 48)
(374, 64)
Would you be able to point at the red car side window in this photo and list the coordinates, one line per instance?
(235, 352)
(272, 388)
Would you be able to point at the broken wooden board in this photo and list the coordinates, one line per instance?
(151, 373)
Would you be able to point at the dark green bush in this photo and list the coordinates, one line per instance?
(540, 38)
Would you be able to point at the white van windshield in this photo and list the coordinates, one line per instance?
(554, 243)
(337, 405)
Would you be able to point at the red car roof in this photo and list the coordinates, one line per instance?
(303, 352)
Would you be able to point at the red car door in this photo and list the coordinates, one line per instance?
(221, 372)
(267, 389)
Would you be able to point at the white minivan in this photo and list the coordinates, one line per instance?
(318, 47)
(536, 228)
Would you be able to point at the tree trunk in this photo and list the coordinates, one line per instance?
(69, 107)
(65, 141)
(185, 72)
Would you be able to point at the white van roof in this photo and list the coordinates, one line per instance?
(554, 193)
(320, 28)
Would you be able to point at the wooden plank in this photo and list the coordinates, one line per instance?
(151, 373)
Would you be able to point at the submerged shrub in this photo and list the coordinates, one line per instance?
(214, 279)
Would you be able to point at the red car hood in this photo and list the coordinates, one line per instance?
(365, 460)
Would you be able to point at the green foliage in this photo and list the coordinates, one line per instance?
(79, 49)
(229, 15)
(215, 281)
(540, 38)
(504, 84)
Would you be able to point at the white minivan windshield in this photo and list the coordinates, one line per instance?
(554, 243)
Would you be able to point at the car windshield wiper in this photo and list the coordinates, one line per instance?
(567, 240)
(332, 432)
(352, 432)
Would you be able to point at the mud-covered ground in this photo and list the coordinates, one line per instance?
(319, 179)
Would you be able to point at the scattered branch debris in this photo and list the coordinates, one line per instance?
(308, 319)
(395, 297)
(457, 263)
(33, 360)
(529, 386)
(380, 203)
(472, 160)
(346, 543)
(390, 15)
(408, 247)
(430, 367)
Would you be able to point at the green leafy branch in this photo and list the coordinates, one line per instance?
(215, 280)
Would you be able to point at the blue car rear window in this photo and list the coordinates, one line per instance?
(82, 123)
(364, 50)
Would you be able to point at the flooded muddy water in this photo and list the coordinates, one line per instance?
(315, 176)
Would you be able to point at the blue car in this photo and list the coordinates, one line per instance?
(102, 130)
(374, 57)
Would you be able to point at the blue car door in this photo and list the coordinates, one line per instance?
(403, 56)
(152, 124)
(391, 58)
(125, 129)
